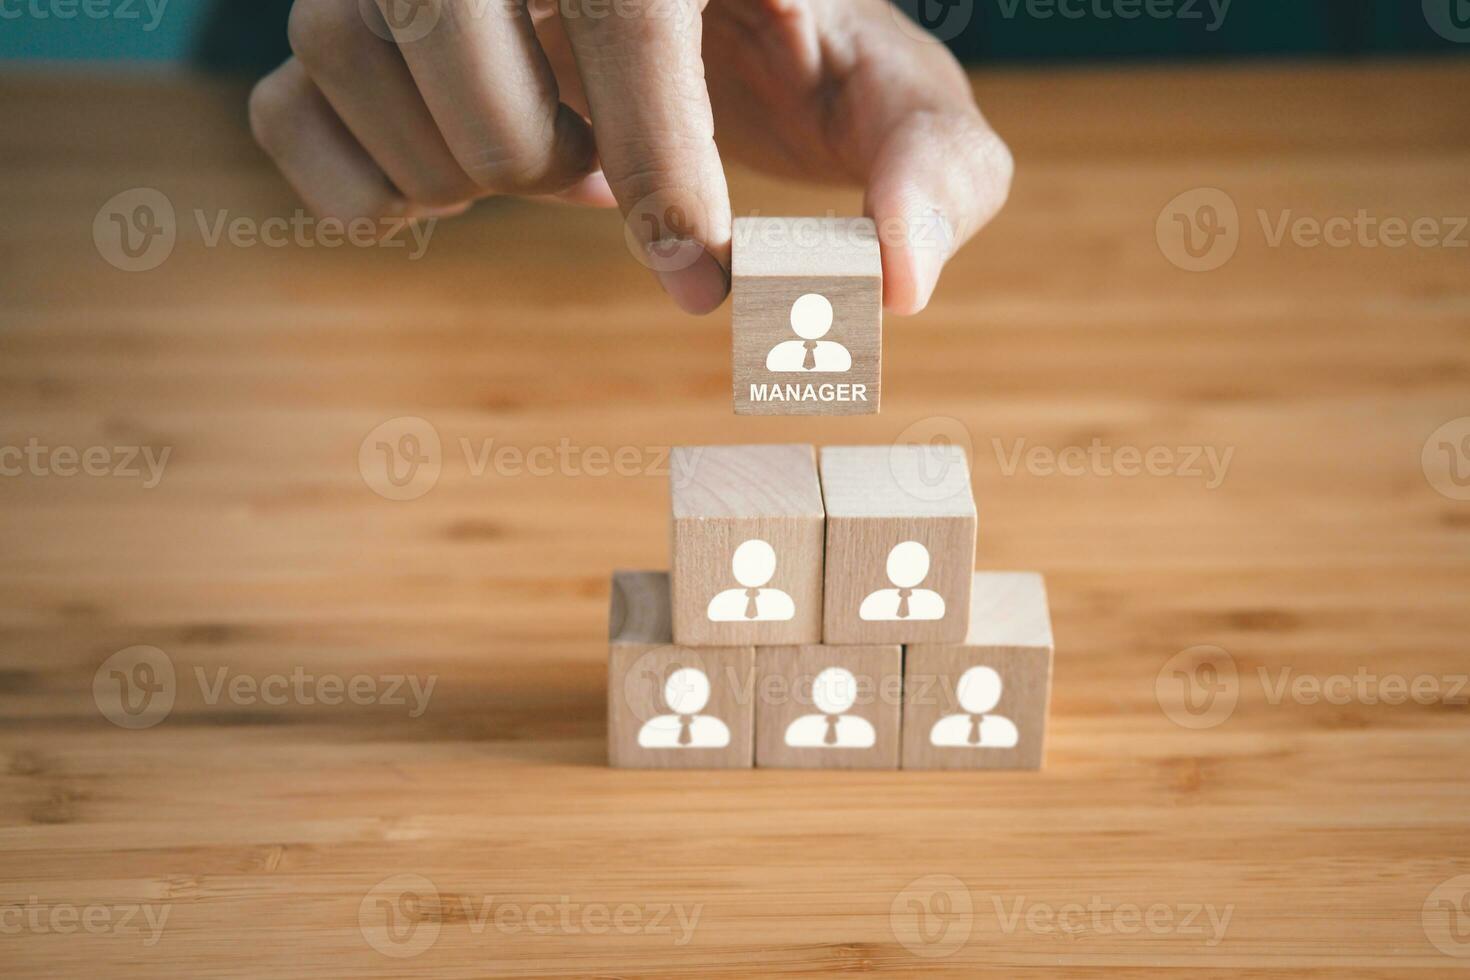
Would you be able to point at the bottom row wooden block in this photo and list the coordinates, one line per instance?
(981, 704)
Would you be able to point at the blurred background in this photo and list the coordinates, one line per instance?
(248, 36)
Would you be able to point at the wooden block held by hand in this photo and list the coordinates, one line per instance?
(820, 707)
(672, 707)
(900, 544)
(982, 704)
(747, 545)
(807, 318)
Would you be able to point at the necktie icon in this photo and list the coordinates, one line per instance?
(686, 733)
(974, 737)
(809, 363)
(752, 611)
(903, 603)
(831, 737)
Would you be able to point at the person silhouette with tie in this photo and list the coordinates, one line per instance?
(908, 565)
(978, 692)
(754, 565)
(686, 693)
(833, 693)
(811, 319)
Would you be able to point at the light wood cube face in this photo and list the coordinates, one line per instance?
(821, 707)
(673, 707)
(900, 544)
(983, 704)
(747, 546)
(807, 320)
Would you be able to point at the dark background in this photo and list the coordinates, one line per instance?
(249, 35)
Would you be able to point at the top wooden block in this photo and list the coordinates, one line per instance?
(806, 318)
(805, 247)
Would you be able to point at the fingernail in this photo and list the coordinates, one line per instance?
(698, 287)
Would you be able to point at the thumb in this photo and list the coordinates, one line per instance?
(936, 180)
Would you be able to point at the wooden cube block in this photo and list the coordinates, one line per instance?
(982, 704)
(807, 319)
(900, 544)
(747, 546)
(672, 707)
(820, 707)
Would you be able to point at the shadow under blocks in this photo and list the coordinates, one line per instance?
(823, 612)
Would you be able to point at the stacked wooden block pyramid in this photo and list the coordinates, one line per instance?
(824, 612)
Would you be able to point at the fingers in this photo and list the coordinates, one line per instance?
(936, 180)
(644, 79)
(493, 96)
(315, 152)
(370, 88)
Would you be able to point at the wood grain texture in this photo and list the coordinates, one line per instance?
(263, 828)
(900, 543)
(747, 545)
(798, 693)
(984, 703)
(807, 316)
(672, 707)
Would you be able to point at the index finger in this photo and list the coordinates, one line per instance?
(642, 70)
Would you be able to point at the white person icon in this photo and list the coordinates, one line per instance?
(978, 692)
(908, 566)
(686, 693)
(754, 565)
(811, 319)
(834, 691)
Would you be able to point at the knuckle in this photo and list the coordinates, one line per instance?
(323, 33)
(269, 109)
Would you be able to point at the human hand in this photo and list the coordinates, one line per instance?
(610, 103)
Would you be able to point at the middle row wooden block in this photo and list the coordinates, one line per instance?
(871, 545)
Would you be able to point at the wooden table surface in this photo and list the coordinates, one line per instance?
(268, 824)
